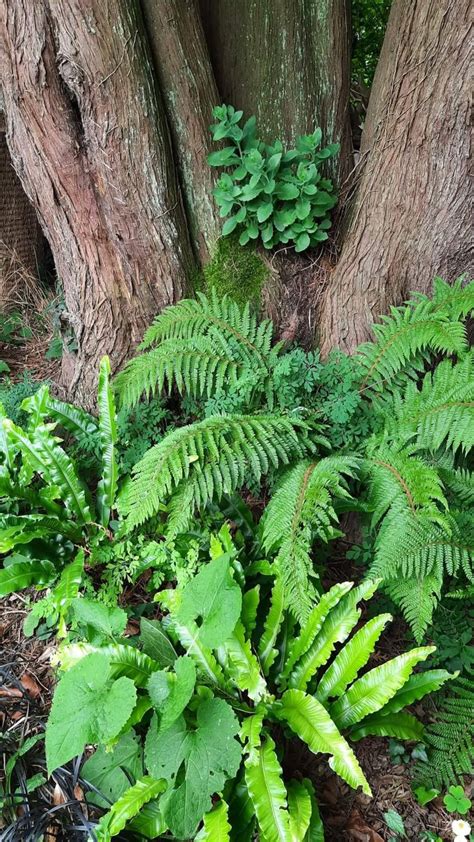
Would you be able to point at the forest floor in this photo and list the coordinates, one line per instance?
(27, 682)
(26, 686)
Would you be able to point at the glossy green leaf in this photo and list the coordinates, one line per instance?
(299, 809)
(312, 723)
(401, 726)
(21, 575)
(127, 806)
(263, 776)
(216, 824)
(352, 657)
(241, 665)
(266, 649)
(416, 687)
(107, 488)
(373, 690)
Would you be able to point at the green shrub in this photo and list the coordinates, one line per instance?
(13, 394)
(267, 192)
(209, 691)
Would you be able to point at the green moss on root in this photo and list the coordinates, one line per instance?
(234, 270)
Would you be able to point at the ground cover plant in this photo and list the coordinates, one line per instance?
(251, 455)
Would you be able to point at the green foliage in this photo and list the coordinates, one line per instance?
(401, 415)
(12, 395)
(268, 192)
(369, 21)
(455, 801)
(207, 700)
(450, 738)
(394, 822)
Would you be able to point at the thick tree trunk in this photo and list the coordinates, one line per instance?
(412, 215)
(287, 62)
(187, 83)
(90, 143)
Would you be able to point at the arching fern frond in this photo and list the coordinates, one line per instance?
(302, 509)
(216, 456)
(420, 325)
(456, 299)
(450, 739)
(441, 412)
(417, 598)
(203, 346)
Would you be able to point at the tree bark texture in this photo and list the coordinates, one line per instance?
(183, 67)
(412, 215)
(287, 62)
(89, 140)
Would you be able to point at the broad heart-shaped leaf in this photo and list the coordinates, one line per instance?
(88, 707)
(127, 806)
(99, 618)
(216, 824)
(313, 724)
(214, 600)
(352, 657)
(107, 488)
(373, 690)
(300, 645)
(416, 688)
(210, 754)
(263, 776)
(156, 643)
(22, 574)
(299, 808)
(107, 770)
(402, 726)
(170, 692)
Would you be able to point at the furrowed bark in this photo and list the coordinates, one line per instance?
(287, 62)
(412, 215)
(183, 67)
(89, 141)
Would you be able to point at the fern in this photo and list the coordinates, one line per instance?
(450, 739)
(403, 337)
(216, 456)
(301, 509)
(441, 412)
(202, 345)
(417, 598)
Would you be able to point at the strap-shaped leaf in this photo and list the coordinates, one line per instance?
(300, 645)
(417, 686)
(124, 660)
(335, 629)
(22, 574)
(313, 724)
(266, 650)
(315, 831)
(250, 602)
(45, 455)
(216, 824)
(242, 665)
(352, 657)
(188, 636)
(373, 690)
(21, 529)
(263, 776)
(401, 726)
(74, 419)
(127, 806)
(107, 488)
(299, 808)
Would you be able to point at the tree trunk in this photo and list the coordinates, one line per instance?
(187, 83)
(287, 62)
(411, 219)
(90, 143)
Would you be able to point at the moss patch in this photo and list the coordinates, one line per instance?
(234, 270)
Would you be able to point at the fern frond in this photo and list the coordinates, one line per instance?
(417, 599)
(300, 510)
(419, 326)
(456, 299)
(217, 456)
(450, 739)
(441, 412)
(203, 346)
